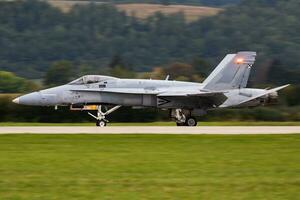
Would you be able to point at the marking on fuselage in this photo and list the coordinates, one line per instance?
(162, 101)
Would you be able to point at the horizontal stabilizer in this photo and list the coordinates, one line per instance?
(263, 94)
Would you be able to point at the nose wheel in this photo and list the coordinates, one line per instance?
(101, 121)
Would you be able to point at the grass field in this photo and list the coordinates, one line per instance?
(143, 10)
(36, 167)
(228, 123)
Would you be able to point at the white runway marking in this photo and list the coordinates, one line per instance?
(151, 129)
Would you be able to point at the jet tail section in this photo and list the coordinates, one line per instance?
(232, 73)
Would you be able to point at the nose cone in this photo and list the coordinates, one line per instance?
(16, 100)
(33, 99)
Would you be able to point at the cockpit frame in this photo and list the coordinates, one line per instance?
(91, 79)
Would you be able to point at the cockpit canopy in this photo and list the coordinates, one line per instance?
(89, 79)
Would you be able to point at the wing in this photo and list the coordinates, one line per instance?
(215, 98)
(190, 93)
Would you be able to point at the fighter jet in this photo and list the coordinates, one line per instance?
(225, 87)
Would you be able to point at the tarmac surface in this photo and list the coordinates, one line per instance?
(150, 129)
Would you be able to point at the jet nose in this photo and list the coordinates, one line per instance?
(33, 99)
(16, 100)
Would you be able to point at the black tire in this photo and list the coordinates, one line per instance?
(101, 123)
(191, 121)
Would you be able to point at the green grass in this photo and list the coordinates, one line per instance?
(228, 123)
(36, 167)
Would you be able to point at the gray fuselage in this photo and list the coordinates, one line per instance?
(131, 92)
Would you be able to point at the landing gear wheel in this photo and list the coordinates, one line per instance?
(191, 122)
(101, 123)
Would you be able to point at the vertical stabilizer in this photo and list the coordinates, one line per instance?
(232, 73)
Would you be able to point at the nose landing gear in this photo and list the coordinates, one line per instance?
(101, 121)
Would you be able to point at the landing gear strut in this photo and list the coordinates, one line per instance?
(183, 117)
(101, 121)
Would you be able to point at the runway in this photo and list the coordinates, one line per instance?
(150, 130)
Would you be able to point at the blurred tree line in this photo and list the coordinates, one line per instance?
(34, 35)
(10, 83)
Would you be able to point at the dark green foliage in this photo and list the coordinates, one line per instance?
(292, 95)
(10, 83)
(202, 67)
(59, 73)
(119, 68)
(88, 34)
(34, 35)
(117, 61)
(266, 26)
(27, 31)
(180, 71)
(277, 73)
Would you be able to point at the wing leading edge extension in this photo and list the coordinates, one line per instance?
(119, 90)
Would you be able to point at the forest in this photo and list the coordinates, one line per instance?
(34, 35)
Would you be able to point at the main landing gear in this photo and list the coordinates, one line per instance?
(101, 121)
(183, 117)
